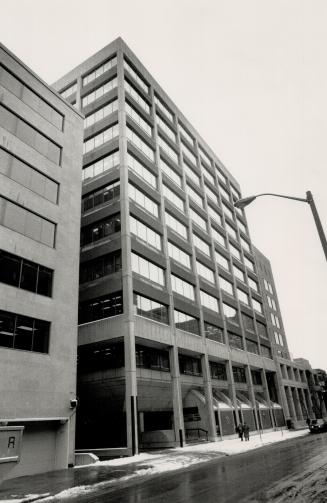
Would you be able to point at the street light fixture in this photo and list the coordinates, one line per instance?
(242, 203)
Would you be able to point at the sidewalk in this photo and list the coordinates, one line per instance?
(53, 486)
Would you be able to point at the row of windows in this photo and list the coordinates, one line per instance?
(101, 307)
(185, 133)
(171, 173)
(69, 91)
(138, 119)
(22, 173)
(27, 223)
(100, 114)
(173, 198)
(100, 138)
(150, 309)
(205, 272)
(136, 77)
(139, 143)
(143, 232)
(29, 135)
(101, 196)
(195, 217)
(99, 230)
(99, 92)
(30, 98)
(101, 166)
(164, 109)
(268, 286)
(100, 70)
(209, 301)
(142, 200)
(186, 322)
(271, 303)
(100, 267)
(275, 320)
(168, 149)
(150, 358)
(22, 273)
(179, 255)
(188, 153)
(141, 170)
(182, 287)
(195, 196)
(136, 96)
(23, 332)
(169, 132)
(279, 339)
(176, 225)
(218, 371)
(147, 269)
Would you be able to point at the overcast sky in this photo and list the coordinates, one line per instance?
(250, 75)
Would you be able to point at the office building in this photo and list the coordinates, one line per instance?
(173, 338)
(40, 190)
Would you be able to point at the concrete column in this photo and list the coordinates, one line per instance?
(231, 389)
(177, 397)
(290, 403)
(252, 394)
(297, 404)
(62, 445)
(323, 406)
(267, 397)
(208, 396)
(308, 402)
(304, 401)
(281, 391)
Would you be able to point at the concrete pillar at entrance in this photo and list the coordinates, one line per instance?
(290, 403)
(282, 399)
(304, 402)
(323, 406)
(231, 389)
(177, 397)
(267, 397)
(297, 404)
(62, 445)
(308, 402)
(252, 394)
(208, 396)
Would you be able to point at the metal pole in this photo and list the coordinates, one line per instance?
(317, 222)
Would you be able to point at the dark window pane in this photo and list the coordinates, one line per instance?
(9, 269)
(44, 284)
(29, 276)
(7, 327)
(24, 333)
(41, 336)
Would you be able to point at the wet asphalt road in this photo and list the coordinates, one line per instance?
(226, 480)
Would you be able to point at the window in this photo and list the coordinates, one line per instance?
(262, 330)
(148, 269)
(214, 215)
(239, 374)
(168, 149)
(218, 371)
(100, 267)
(208, 175)
(99, 230)
(211, 194)
(164, 108)
(218, 237)
(209, 301)
(173, 198)
(226, 285)
(100, 114)
(142, 200)
(256, 377)
(95, 357)
(141, 170)
(248, 322)
(25, 222)
(186, 323)
(101, 138)
(169, 132)
(279, 339)
(23, 332)
(231, 231)
(253, 284)
(170, 172)
(230, 313)
(139, 143)
(205, 272)
(236, 194)
(252, 347)
(275, 320)
(100, 70)
(235, 251)
(249, 264)
(224, 192)
(204, 156)
(29, 135)
(30, 98)
(201, 245)
(101, 307)
(235, 341)
(243, 297)
(136, 96)
(151, 358)
(198, 220)
(138, 119)
(136, 77)
(185, 133)
(194, 195)
(22, 273)
(221, 175)
(182, 287)
(176, 225)
(17, 170)
(101, 196)
(222, 260)
(188, 153)
(257, 306)
(144, 233)
(238, 273)
(189, 365)
(241, 226)
(213, 333)
(245, 245)
(150, 309)
(69, 90)
(192, 175)
(99, 92)
(265, 351)
(101, 166)
(179, 255)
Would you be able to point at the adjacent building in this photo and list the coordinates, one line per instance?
(40, 190)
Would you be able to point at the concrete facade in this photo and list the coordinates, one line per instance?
(173, 340)
(40, 189)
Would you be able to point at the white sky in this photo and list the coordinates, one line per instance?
(250, 75)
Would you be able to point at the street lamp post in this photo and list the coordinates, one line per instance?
(241, 203)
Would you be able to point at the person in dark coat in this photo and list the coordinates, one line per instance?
(239, 430)
(246, 432)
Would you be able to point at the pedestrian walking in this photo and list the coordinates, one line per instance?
(239, 430)
(246, 432)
